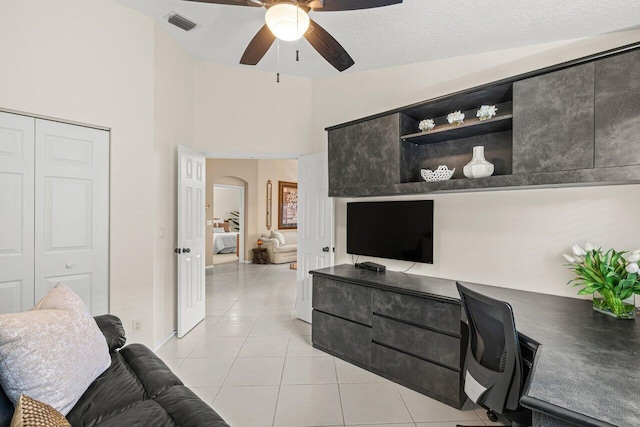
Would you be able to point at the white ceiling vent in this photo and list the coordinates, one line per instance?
(181, 22)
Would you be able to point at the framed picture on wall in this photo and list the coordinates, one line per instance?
(287, 205)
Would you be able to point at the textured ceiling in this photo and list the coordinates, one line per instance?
(414, 31)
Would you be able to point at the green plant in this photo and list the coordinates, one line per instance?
(235, 220)
(613, 274)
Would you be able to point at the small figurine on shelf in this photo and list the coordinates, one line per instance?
(426, 125)
(456, 118)
(486, 112)
(260, 242)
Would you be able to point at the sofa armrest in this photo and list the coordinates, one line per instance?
(113, 331)
(269, 243)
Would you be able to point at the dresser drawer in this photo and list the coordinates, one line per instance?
(427, 344)
(438, 382)
(348, 339)
(342, 299)
(427, 312)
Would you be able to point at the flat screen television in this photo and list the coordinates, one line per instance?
(395, 230)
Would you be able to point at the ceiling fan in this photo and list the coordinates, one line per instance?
(289, 20)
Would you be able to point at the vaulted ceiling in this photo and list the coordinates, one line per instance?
(414, 31)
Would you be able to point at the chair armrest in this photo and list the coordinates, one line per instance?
(113, 331)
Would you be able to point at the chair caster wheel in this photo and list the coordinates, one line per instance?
(492, 416)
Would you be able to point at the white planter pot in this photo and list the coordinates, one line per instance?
(478, 167)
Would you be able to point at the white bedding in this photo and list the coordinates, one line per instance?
(225, 243)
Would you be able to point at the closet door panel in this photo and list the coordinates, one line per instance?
(16, 212)
(72, 195)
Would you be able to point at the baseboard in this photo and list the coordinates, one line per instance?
(165, 340)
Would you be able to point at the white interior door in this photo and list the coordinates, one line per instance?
(16, 212)
(315, 227)
(191, 241)
(72, 211)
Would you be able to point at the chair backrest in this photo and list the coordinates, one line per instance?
(493, 364)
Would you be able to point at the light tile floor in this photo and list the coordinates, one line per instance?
(253, 362)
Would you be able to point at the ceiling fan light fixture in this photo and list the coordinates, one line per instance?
(287, 21)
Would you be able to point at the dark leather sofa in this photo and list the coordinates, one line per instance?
(138, 389)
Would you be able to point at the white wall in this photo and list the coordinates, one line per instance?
(92, 61)
(240, 111)
(225, 200)
(173, 121)
(507, 238)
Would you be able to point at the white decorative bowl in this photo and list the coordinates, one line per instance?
(441, 174)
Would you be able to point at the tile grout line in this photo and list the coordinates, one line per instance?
(234, 359)
(275, 410)
(335, 368)
(405, 403)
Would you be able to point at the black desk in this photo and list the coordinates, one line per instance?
(585, 370)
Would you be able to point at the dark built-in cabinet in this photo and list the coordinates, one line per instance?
(374, 141)
(417, 341)
(617, 103)
(573, 124)
(553, 125)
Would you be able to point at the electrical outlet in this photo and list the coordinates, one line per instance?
(137, 326)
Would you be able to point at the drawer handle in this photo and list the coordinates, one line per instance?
(69, 265)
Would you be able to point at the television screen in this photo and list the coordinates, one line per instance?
(396, 230)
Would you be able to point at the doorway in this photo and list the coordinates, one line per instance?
(228, 224)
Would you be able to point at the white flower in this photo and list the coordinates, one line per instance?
(569, 258)
(632, 268)
(579, 259)
(635, 257)
(588, 246)
(457, 117)
(577, 250)
(637, 251)
(486, 112)
(426, 125)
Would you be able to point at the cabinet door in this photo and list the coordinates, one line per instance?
(72, 212)
(16, 212)
(553, 121)
(618, 110)
(345, 338)
(365, 154)
(342, 299)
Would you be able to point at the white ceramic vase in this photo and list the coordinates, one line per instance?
(478, 167)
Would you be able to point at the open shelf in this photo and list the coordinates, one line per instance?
(471, 127)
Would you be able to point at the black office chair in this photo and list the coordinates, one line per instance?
(493, 370)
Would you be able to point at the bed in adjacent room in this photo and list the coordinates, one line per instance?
(225, 241)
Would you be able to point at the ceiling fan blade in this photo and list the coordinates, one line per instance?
(229, 2)
(258, 46)
(338, 5)
(328, 47)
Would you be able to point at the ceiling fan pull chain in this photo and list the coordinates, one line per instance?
(297, 32)
(278, 55)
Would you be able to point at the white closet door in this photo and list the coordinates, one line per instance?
(16, 212)
(72, 212)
